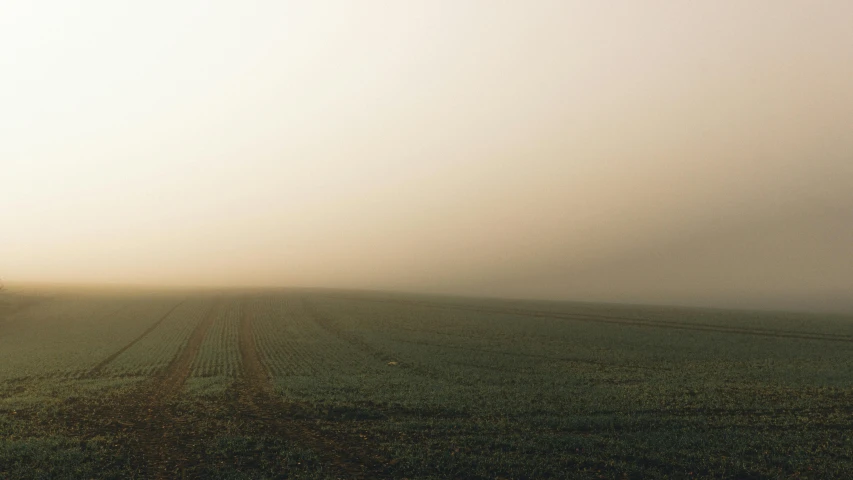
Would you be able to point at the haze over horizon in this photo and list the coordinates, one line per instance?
(652, 152)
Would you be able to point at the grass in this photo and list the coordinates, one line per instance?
(404, 386)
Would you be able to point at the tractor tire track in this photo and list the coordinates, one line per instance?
(366, 348)
(355, 340)
(152, 425)
(173, 378)
(255, 394)
(159, 441)
(97, 369)
(616, 320)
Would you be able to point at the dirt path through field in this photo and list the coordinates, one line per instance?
(255, 394)
(150, 424)
(162, 443)
(178, 371)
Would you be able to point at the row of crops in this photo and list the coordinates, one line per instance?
(155, 350)
(293, 344)
(219, 355)
(68, 335)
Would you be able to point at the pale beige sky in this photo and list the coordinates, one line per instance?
(660, 151)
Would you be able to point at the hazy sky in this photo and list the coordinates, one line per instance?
(656, 151)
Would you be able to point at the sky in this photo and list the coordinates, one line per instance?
(653, 152)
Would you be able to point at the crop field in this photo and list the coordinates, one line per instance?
(336, 384)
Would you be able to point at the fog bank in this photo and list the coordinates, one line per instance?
(655, 152)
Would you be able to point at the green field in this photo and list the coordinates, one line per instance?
(335, 384)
